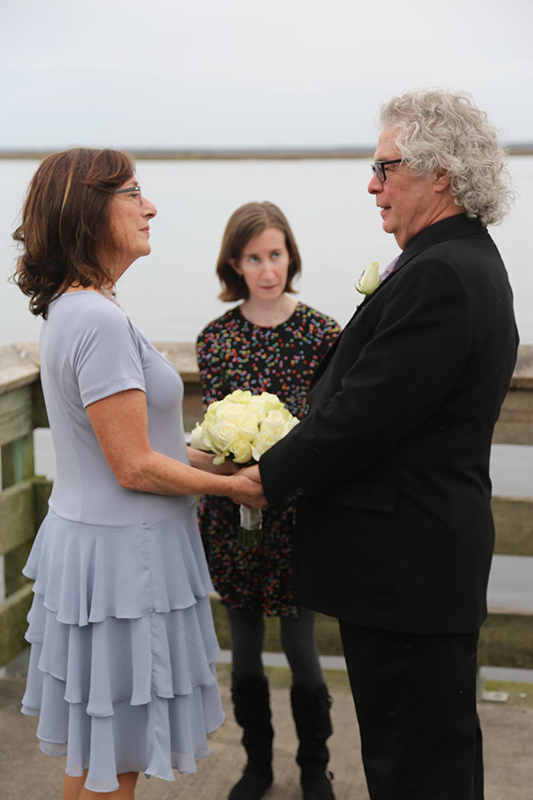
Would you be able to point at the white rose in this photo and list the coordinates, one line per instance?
(248, 425)
(197, 438)
(369, 280)
(238, 396)
(242, 451)
(229, 412)
(264, 442)
(287, 426)
(211, 441)
(208, 434)
(263, 403)
(224, 434)
(212, 408)
(210, 416)
(274, 422)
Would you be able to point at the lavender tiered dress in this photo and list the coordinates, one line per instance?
(122, 641)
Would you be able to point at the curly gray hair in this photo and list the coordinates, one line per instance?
(445, 131)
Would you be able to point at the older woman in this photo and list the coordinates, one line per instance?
(123, 648)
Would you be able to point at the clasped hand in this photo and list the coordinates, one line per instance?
(248, 490)
(246, 487)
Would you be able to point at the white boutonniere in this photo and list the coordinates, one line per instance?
(369, 280)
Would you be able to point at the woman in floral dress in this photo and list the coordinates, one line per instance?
(270, 342)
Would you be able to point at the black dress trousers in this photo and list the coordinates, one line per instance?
(415, 698)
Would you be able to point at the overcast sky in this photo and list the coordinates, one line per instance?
(230, 73)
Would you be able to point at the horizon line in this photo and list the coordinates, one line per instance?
(238, 153)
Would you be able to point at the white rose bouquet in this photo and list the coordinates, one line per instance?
(243, 426)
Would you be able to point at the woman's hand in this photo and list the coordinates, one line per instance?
(204, 461)
(246, 492)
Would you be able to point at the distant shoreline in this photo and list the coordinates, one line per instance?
(244, 154)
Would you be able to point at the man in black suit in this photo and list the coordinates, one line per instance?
(390, 466)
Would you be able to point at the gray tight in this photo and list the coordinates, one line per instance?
(297, 635)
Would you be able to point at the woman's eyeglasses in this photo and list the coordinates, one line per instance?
(134, 191)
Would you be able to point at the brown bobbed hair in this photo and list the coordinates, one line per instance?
(246, 222)
(65, 229)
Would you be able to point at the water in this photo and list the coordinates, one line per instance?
(172, 294)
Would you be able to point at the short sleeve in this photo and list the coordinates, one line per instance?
(106, 358)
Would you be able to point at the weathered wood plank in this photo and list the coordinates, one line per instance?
(17, 524)
(13, 612)
(17, 460)
(523, 372)
(22, 509)
(515, 423)
(506, 639)
(17, 465)
(193, 411)
(513, 518)
(19, 365)
(42, 489)
(40, 416)
(182, 356)
(15, 415)
(327, 631)
(13, 565)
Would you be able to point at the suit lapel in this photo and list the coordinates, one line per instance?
(449, 228)
(328, 356)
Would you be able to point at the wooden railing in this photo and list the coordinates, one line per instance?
(24, 497)
(506, 638)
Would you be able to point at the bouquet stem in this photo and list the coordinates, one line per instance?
(251, 528)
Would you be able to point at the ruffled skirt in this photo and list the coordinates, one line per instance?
(122, 648)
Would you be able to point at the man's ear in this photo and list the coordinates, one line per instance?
(233, 263)
(441, 181)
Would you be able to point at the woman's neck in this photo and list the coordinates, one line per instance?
(107, 290)
(268, 313)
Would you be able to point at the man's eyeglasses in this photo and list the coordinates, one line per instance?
(378, 168)
(134, 191)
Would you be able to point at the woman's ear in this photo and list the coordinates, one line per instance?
(235, 265)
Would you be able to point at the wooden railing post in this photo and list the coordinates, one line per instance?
(23, 496)
(17, 464)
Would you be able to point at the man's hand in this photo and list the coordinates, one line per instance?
(252, 473)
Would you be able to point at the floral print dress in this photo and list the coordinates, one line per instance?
(233, 353)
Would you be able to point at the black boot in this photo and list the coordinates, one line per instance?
(251, 702)
(313, 726)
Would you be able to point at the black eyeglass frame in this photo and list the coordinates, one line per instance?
(378, 168)
(135, 188)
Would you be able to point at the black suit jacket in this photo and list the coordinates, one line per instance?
(391, 464)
